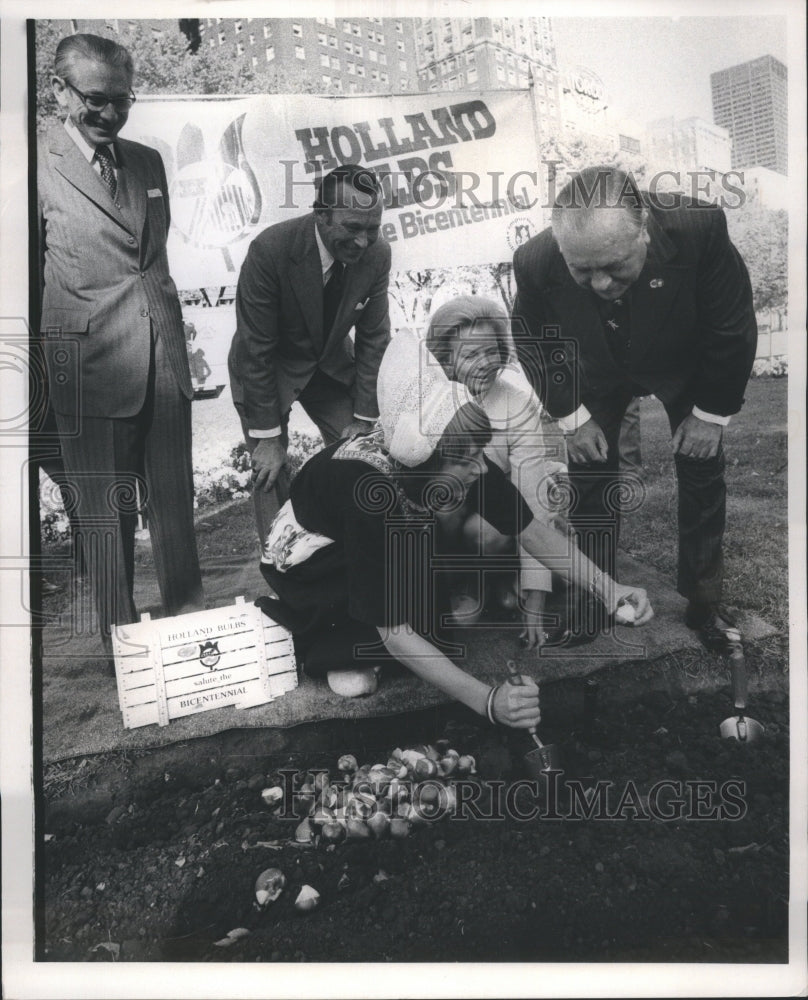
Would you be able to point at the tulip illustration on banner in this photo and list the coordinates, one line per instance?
(215, 199)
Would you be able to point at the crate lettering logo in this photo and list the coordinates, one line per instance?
(209, 654)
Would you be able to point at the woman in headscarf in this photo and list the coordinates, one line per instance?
(351, 555)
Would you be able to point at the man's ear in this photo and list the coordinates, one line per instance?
(59, 88)
(644, 234)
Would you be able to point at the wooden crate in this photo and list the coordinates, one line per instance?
(171, 667)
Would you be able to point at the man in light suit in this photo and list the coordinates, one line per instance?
(112, 334)
(304, 284)
(627, 296)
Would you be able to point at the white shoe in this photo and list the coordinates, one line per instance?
(354, 683)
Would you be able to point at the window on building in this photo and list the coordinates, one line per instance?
(374, 74)
(379, 38)
(357, 30)
(332, 41)
(322, 38)
(334, 62)
(471, 74)
(360, 70)
(400, 26)
(213, 43)
(297, 30)
(267, 31)
(352, 88)
(400, 46)
(252, 38)
(240, 48)
(348, 45)
(402, 65)
(238, 27)
(500, 71)
(254, 62)
(222, 38)
(374, 55)
(352, 68)
(270, 53)
(346, 27)
(358, 50)
(326, 80)
(337, 85)
(382, 59)
(384, 78)
(404, 83)
(324, 59)
(300, 52)
(452, 81)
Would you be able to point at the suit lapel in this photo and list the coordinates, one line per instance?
(131, 187)
(653, 293)
(306, 278)
(68, 160)
(581, 319)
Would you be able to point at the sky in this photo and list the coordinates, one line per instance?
(653, 67)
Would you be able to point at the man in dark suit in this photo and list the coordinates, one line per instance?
(304, 284)
(112, 335)
(624, 297)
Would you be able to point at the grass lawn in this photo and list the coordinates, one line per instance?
(756, 539)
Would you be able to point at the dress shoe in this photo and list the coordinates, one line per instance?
(716, 629)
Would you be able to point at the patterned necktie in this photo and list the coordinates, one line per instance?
(105, 162)
(617, 328)
(332, 293)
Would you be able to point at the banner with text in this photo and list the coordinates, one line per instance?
(460, 172)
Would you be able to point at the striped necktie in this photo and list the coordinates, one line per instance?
(332, 294)
(105, 162)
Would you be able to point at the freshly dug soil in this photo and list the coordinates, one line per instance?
(168, 866)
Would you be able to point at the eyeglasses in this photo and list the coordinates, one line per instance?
(100, 102)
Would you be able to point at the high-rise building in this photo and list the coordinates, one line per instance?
(751, 101)
(687, 145)
(342, 55)
(486, 53)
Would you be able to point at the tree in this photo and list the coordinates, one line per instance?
(761, 236)
(165, 63)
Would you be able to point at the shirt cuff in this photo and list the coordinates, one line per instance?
(710, 418)
(370, 420)
(573, 420)
(273, 432)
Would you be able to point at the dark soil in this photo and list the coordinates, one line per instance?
(167, 867)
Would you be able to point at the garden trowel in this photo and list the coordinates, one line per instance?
(740, 727)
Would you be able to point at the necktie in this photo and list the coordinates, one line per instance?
(332, 293)
(617, 328)
(105, 162)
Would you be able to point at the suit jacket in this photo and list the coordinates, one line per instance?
(280, 342)
(105, 277)
(693, 328)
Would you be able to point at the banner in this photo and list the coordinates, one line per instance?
(460, 172)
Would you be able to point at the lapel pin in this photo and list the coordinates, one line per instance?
(657, 282)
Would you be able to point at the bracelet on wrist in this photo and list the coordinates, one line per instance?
(489, 705)
(595, 584)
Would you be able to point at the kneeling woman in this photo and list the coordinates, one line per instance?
(351, 555)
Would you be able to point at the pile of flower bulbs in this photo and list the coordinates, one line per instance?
(414, 787)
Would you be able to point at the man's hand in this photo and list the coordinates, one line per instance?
(696, 438)
(532, 609)
(587, 444)
(356, 428)
(268, 458)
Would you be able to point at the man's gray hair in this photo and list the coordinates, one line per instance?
(93, 47)
(593, 188)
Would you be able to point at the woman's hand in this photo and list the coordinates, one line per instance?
(533, 634)
(636, 597)
(518, 705)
